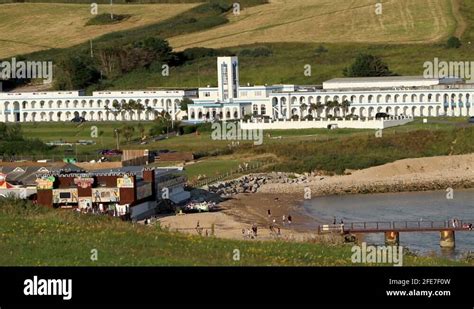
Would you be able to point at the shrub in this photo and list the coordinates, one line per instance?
(104, 19)
(321, 49)
(366, 65)
(16, 206)
(257, 52)
(453, 42)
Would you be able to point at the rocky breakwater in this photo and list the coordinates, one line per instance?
(253, 182)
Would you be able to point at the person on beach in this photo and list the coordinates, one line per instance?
(334, 221)
(289, 219)
(272, 229)
(283, 219)
(254, 229)
(269, 213)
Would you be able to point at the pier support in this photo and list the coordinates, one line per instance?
(392, 238)
(447, 239)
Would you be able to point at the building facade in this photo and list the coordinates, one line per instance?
(358, 97)
(66, 105)
(132, 192)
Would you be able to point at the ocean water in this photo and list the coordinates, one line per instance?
(406, 206)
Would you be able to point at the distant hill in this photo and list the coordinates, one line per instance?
(400, 21)
(30, 27)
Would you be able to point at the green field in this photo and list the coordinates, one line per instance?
(37, 236)
(289, 150)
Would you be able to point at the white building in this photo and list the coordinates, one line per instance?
(358, 97)
(410, 96)
(66, 105)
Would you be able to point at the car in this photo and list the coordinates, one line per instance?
(471, 119)
(78, 119)
(110, 152)
(381, 115)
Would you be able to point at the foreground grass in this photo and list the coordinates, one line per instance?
(36, 236)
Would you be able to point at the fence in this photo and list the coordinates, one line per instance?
(230, 174)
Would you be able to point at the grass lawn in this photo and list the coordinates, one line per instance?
(46, 237)
(296, 150)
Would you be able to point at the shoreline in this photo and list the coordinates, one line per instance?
(243, 209)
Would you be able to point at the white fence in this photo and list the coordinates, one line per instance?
(324, 123)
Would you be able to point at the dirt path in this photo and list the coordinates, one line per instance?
(461, 22)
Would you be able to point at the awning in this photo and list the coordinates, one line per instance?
(180, 197)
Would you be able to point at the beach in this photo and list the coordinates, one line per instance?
(243, 210)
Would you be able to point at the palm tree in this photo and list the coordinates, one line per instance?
(345, 106)
(117, 108)
(335, 104)
(328, 105)
(303, 107)
(149, 110)
(312, 108)
(319, 107)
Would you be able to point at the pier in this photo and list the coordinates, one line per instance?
(393, 229)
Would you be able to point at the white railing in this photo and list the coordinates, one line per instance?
(364, 123)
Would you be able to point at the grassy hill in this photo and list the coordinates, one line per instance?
(332, 21)
(405, 36)
(64, 25)
(37, 236)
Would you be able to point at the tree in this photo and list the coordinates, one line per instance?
(366, 65)
(127, 132)
(117, 132)
(345, 106)
(162, 123)
(184, 104)
(321, 49)
(453, 42)
(303, 107)
(75, 72)
(141, 130)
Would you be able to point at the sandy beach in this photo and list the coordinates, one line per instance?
(243, 210)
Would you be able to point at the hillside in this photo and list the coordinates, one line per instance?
(401, 21)
(64, 25)
(405, 36)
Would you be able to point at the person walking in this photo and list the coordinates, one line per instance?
(289, 219)
(254, 229)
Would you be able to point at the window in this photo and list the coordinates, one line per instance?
(64, 195)
(258, 93)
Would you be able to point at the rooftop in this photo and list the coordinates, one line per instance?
(381, 79)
